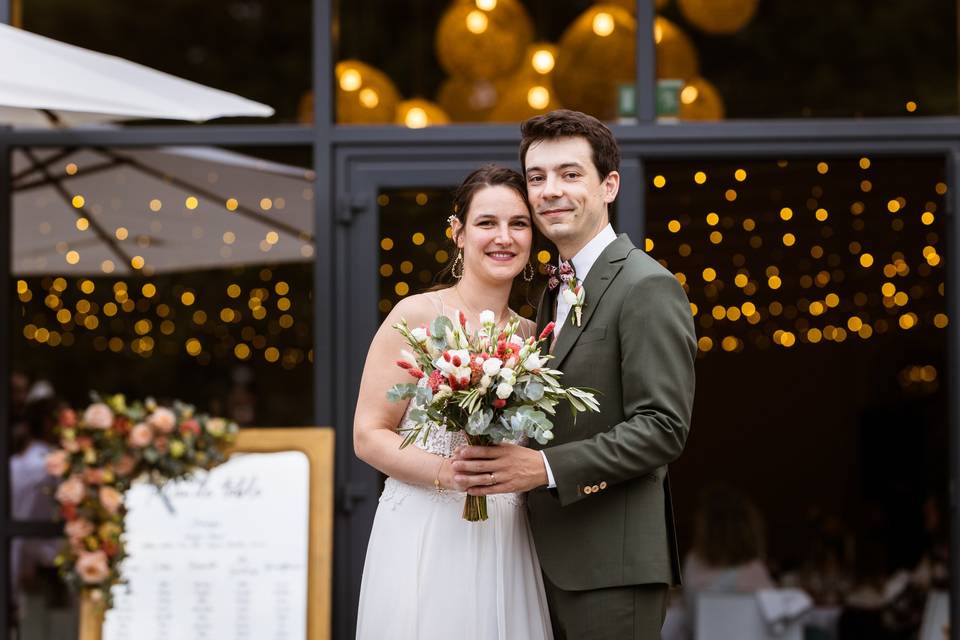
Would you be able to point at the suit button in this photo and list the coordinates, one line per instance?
(588, 490)
(603, 485)
(594, 489)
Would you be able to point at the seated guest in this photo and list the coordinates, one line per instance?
(728, 555)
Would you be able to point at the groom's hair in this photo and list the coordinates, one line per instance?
(564, 123)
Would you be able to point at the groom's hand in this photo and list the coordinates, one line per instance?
(504, 468)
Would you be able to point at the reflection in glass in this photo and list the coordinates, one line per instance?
(42, 606)
(257, 50)
(482, 61)
(788, 254)
(180, 273)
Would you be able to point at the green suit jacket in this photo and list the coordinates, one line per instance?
(609, 521)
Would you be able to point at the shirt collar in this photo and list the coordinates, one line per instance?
(583, 261)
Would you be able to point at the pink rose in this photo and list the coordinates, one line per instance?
(111, 499)
(71, 490)
(93, 567)
(140, 435)
(79, 529)
(191, 427)
(68, 418)
(98, 416)
(162, 419)
(125, 465)
(57, 462)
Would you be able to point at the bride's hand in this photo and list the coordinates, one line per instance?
(448, 478)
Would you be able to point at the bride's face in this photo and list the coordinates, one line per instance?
(497, 236)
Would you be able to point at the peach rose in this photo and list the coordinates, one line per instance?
(163, 420)
(93, 567)
(125, 465)
(78, 529)
(111, 499)
(57, 462)
(71, 490)
(98, 416)
(140, 435)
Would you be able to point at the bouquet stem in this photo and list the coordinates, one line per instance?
(475, 507)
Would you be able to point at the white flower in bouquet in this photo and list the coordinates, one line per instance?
(509, 376)
(492, 366)
(420, 334)
(504, 390)
(487, 317)
(534, 361)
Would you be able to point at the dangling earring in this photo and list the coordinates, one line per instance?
(528, 278)
(457, 261)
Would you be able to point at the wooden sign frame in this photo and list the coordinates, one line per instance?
(317, 443)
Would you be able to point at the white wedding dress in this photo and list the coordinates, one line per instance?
(431, 575)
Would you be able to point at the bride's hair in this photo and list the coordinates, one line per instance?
(489, 175)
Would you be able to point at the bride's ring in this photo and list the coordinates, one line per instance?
(493, 479)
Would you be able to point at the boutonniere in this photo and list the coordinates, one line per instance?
(572, 289)
(573, 295)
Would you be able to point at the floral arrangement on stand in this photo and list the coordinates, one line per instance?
(103, 451)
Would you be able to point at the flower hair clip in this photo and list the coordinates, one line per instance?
(451, 218)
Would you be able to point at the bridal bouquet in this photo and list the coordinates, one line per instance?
(492, 384)
(103, 450)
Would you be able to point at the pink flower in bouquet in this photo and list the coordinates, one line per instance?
(93, 475)
(70, 444)
(98, 416)
(57, 462)
(125, 465)
(111, 499)
(161, 444)
(190, 426)
(85, 443)
(68, 418)
(93, 566)
(140, 435)
(71, 491)
(78, 529)
(77, 546)
(162, 419)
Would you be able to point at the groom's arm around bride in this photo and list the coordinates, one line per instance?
(604, 527)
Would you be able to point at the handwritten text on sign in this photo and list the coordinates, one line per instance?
(221, 556)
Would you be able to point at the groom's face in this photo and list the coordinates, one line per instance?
(568, 196)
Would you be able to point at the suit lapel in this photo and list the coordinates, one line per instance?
(602, 273)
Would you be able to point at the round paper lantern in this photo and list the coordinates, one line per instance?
(700, 100)
(525, 97)
(364, 95)
(483, 39)
(468, 100)
(719, 17)
(631, 5)
(596, 55)
(676, 55)
(419, 113)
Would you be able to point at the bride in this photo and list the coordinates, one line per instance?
(430, 574)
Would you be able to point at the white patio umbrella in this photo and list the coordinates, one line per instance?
(45, 82)
(96, 211)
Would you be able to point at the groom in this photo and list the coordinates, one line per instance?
(599, 496)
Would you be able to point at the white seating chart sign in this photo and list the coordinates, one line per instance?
(221, 556)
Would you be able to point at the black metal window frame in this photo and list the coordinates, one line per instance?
(336, 149)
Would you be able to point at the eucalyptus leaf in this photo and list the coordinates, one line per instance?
(401, 391)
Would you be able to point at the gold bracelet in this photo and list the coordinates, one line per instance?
(436, 481)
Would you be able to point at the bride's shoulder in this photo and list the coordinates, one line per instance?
(420, 308)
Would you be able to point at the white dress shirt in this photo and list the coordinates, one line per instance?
(582, 263)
